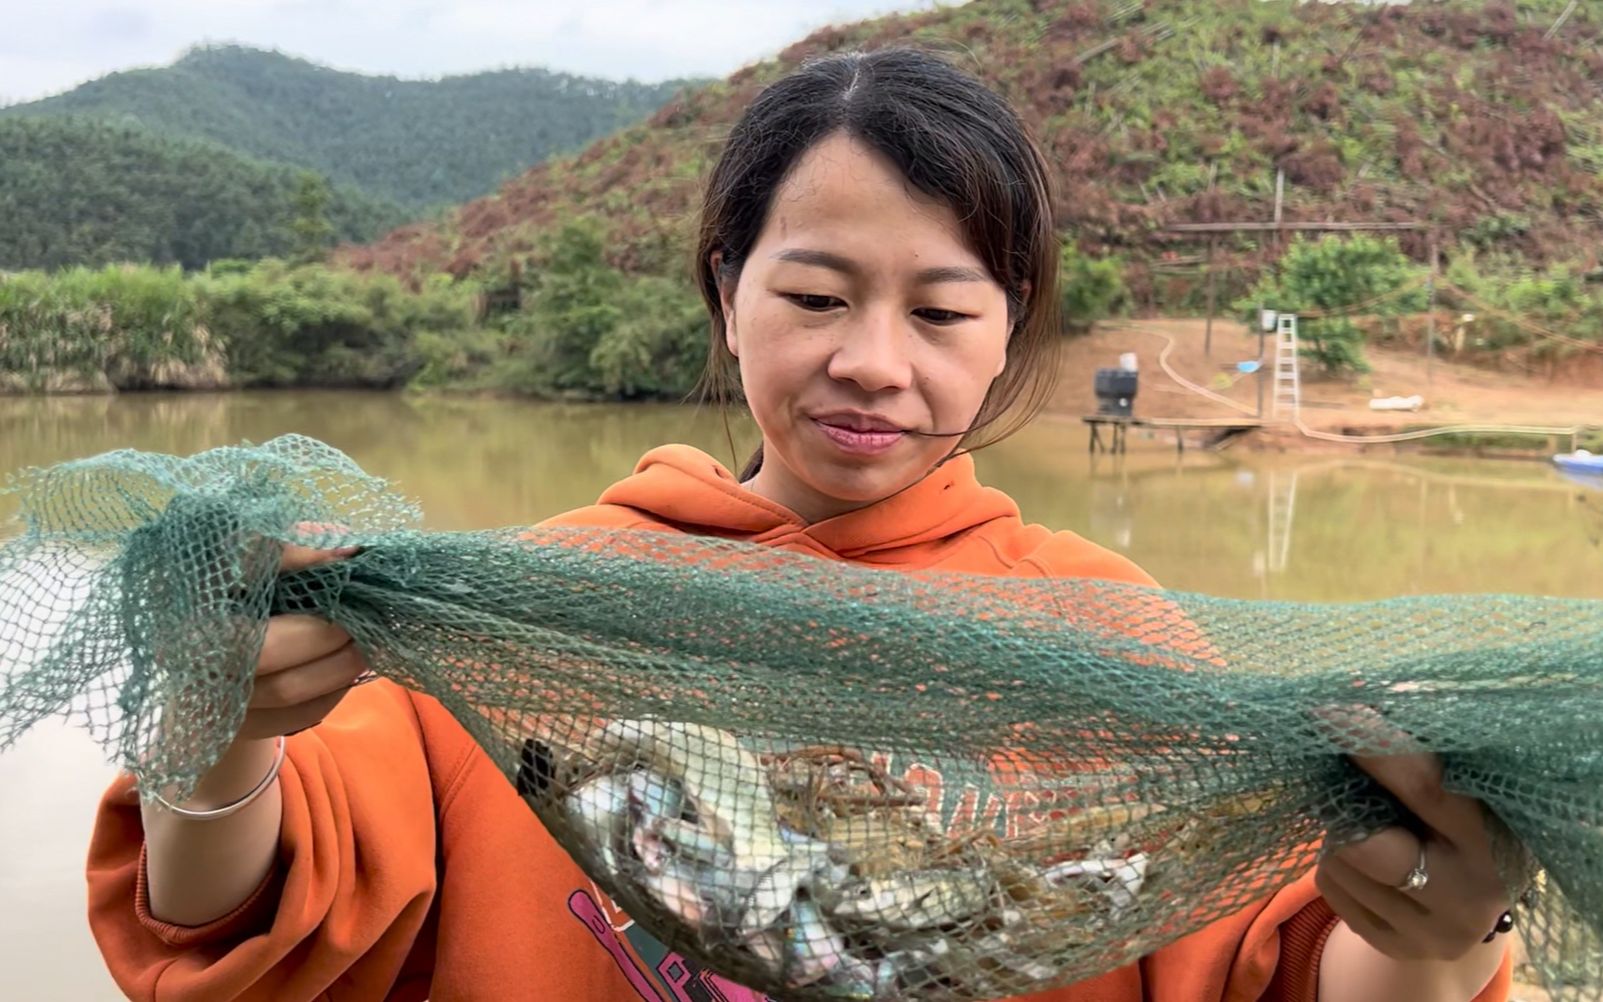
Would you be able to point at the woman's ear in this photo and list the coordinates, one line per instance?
(726, 300)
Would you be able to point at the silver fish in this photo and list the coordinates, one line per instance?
(772, 891)
(998, 949)
(597, 810)
(650, 795)
(814, 951)
(915, 900)
(691, 842)
(681, 890)
(725, 783)
(1120, 879)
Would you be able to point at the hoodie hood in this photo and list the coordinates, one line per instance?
(689, 490)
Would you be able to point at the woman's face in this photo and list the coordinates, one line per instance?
(860, 315)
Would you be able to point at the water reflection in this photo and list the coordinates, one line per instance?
(1329, 529)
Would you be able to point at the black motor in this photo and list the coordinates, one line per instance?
(1115, 391)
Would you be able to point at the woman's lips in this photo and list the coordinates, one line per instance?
(861, 443)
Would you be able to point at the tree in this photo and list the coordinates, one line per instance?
(314, 235)
(573, 306)
(1092, 288)
(93, 193)
(659, 345)
(1337, 276)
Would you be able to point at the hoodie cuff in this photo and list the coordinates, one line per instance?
(1302, 944)
(254, 914)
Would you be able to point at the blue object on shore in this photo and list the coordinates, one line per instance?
(1582, 467)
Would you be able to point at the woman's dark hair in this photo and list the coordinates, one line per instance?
(956, 141)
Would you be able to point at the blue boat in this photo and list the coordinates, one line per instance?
(1581, 466)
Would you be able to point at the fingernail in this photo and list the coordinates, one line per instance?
(347, 551)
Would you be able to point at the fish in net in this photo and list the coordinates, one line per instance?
(720, 733)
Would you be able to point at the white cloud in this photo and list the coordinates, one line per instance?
(53, 47)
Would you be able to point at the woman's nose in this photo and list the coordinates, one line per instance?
(874, 353)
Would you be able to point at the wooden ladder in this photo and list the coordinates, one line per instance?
(1288, 381)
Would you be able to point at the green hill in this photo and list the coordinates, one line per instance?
(82, 192)
(418, 143)
(1470, 116)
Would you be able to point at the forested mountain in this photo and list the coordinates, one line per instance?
(417, 143)
(83, 192)
(1481, 118)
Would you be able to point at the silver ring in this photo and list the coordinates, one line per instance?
(1418, 877)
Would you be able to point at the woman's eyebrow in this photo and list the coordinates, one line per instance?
(931, 276)
(846, 266)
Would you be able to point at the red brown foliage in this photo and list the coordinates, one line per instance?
(1219, 84)
(1499, 22)
(1317, 167)
(1133, 48)
(1410, 150)
(675, 114)
(1324, 102)
(1378, 81)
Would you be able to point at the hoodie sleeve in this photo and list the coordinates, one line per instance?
(347, 902)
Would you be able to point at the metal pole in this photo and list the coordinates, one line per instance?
(1280, 191)
(1260, 369)
(1207, 331)
(1430, 307)
(1261, 335)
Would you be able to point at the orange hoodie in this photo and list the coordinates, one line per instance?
(409, 868)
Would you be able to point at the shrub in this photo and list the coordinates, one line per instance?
(1337, 275)
(1092, 288)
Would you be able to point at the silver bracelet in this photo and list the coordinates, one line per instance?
(238, 805)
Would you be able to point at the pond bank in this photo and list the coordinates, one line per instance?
(1187, 373)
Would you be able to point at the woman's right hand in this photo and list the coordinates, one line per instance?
(307, 664)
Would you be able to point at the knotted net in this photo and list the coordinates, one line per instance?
(819, 780)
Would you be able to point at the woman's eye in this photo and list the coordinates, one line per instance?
(941, 316)
(816, 304)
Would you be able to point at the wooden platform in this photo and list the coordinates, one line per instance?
(1108, 432)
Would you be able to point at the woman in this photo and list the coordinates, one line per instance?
(878, 258)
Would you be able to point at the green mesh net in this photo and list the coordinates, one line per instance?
(708, 727)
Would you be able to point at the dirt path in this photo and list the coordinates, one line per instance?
(1454, 393)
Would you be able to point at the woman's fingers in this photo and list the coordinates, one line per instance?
(310, 681)
(1441, 920)
(1401, 764)
(1375, 930)
(1398, 909)
(1385, 857)
(293, 640)
(297, 557)
(1416, 781)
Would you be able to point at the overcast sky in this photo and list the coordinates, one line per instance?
(49, 47)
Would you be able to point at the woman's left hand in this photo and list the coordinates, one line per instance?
(1461, 898)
